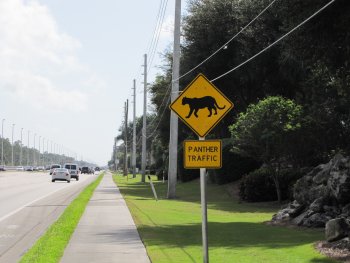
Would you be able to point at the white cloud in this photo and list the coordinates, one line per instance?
(35, 58)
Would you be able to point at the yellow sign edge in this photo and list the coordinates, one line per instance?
(215, 123)
(195, 167)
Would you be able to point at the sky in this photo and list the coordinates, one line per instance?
(67, 67)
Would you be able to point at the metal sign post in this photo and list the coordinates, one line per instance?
(201, 106)
(204, 212)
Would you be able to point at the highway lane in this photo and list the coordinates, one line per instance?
(29, 203)
(18, 189)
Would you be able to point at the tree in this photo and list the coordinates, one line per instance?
(264, 132)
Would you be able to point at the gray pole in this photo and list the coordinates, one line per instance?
(134, 135)
(144, 126)
(173, 140)
(13, 127)
(203, 184)
(126, 139)
(34, 150)
(51, 159)
(28, 149)
(2, 142)
(20, 159)
(39, 157)
(47, 152)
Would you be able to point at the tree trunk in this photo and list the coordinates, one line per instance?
(278, 188)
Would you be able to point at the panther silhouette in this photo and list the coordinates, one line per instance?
(201, 103)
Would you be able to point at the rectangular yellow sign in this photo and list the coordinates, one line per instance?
(202, 154)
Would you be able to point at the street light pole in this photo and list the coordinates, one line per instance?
(39, 159)
(34, 151)
(13, 127)
(28, 149)
(2, 142)
(20, 159)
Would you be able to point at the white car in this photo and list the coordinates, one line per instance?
(73, 170)
(20, 168)
(61, 174)
(53, 167)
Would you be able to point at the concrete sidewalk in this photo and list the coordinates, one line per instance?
(106, 232)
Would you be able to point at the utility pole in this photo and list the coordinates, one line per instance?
(52, 155)
(144, 126)
(13, 127)
(47, 152)
(20, 159)
(39, 157)
(115, 152)
(173, 140)
(2, 142)
(28, 149)
(34, 150)
(126, 139)
(134, 135)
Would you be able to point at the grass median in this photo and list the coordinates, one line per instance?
(50, 247)
(171, 229)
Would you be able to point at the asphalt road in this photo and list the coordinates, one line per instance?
(29, 203)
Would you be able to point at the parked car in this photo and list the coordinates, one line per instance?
(53, 167)
(97, 169)
(29, 168)
(61, 174)
(20, 168)
(73, 170)
(2, 168)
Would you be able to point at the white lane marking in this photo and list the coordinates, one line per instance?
(36, 200)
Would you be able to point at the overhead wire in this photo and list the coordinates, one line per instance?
(161, 21)
(227, 42)
(275, 42)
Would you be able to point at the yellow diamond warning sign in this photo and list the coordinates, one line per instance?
(202, 154)
(201, 105)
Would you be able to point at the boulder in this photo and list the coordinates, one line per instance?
(339, 181)
(317, 205)
(301, 190)
(336, 229)
(316, 220)
(346, 210)
(322, 173)
(298, 221)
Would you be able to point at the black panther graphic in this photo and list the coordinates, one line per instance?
(201, 103)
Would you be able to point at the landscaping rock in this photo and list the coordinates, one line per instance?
(317, 205)
(321, 195)
(298, 221)
(336, 229)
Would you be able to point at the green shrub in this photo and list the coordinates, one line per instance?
(258, 186)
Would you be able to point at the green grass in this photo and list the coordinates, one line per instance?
(50, 247)
(171, 229)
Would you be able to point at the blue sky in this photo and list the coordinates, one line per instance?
(67, 67)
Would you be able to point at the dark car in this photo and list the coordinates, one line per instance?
(97, 169)
(85, 170)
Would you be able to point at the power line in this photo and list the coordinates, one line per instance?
(160, 119)
(153, 51)
(224, 45)
(156, 25)
(274, 43)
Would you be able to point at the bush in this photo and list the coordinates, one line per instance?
(233, 168)
(258, 186)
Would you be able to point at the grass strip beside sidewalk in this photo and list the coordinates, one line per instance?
(50, 247)
(171, 229)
